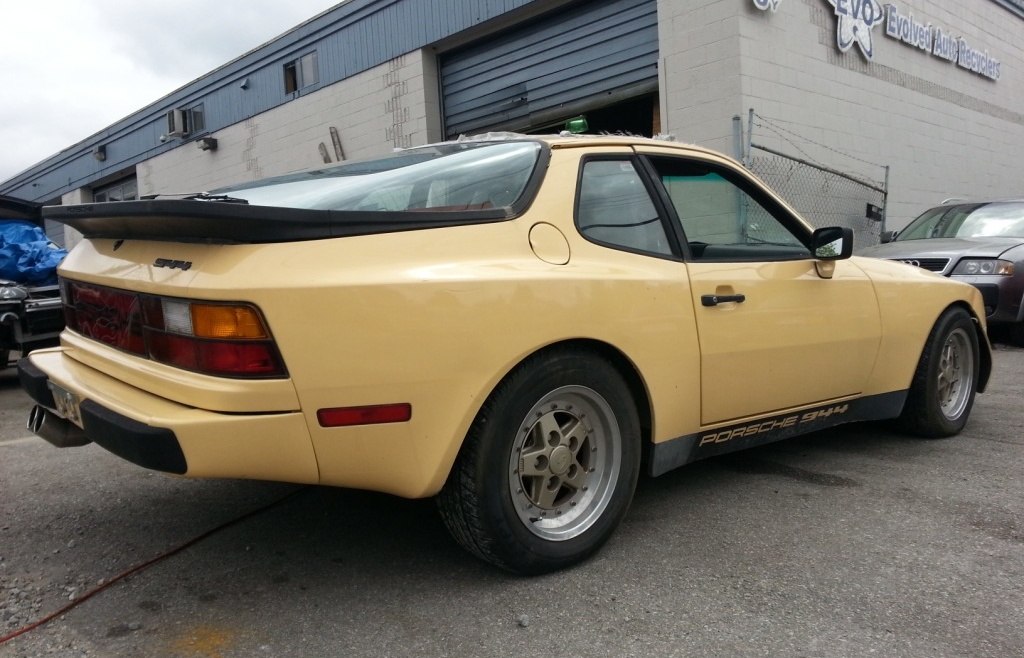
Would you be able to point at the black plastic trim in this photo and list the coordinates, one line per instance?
(665, 456)
(151, 447)
(178, 220)
(33, 381)
(15, 208)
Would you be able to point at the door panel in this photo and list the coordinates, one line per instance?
(773, 333)
(794, 339)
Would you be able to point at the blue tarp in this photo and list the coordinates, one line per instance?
(26, 255)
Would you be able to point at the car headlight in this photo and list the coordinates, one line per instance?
(971, 266)
(9, 293)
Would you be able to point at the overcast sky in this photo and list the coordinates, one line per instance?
(69, 68)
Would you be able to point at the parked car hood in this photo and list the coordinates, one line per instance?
(952, 248)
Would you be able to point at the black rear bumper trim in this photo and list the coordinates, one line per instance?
(152, 447)
(33, 381)
(156, 448)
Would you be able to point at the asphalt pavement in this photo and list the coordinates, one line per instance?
(851, 542)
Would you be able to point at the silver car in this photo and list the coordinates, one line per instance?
(978, 243)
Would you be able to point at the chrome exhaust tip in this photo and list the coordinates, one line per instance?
(49, 426)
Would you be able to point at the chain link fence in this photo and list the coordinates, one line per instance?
(824, 196)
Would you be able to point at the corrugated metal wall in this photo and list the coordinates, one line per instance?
(556, 66)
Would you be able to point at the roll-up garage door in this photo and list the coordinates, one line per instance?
(590, 55)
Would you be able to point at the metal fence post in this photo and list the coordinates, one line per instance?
(885, 200)
(750, 136)
(737, 138)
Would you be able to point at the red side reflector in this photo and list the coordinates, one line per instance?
(372, 415)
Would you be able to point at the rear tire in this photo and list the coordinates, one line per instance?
(942, 392)
(549, 466)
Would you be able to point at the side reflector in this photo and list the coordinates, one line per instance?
(372, 415)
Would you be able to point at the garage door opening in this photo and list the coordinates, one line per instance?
(634, 116)
(597, 54)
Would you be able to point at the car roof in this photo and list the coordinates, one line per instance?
(569, 140)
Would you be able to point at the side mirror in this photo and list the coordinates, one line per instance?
(888, 236)
(832, 243)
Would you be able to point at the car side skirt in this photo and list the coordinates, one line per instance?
(667, 455)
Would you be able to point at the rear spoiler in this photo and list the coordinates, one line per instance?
(180, 220)
(14, 208)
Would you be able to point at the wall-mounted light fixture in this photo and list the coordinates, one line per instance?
(207, 143)
(99, 152)
(244, 83)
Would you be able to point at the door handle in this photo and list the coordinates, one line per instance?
(715, 300)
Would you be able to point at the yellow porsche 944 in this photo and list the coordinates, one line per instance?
(515, 325)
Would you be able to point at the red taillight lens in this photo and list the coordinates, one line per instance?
(173, 350)
(228, 340)
(224, 358)
(371, 415)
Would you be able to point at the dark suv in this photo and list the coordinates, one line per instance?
(31, 315)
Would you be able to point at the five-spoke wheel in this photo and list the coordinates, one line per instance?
(549, 466)
(942, 392)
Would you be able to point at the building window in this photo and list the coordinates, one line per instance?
(198, 119)
(126, 189)
(301, 73)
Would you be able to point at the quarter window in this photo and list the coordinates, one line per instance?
(614, 208)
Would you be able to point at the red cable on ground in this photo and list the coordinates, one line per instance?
(139, 567)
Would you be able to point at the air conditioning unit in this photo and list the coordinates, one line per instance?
(177, 123)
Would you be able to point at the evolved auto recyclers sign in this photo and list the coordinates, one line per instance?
(857, 19)
(934, 40)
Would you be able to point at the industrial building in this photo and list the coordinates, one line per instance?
(923, 100)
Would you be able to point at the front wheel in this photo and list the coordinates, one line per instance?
(942, 392)
(549, 466)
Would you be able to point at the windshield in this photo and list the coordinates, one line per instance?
(971, 220)
(445, 177)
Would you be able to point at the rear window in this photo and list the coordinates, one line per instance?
(445, 177)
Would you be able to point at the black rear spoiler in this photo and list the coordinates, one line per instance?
(179, 220)
(14, 208)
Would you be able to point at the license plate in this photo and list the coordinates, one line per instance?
(67, 403)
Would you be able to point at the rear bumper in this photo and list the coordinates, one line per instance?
(151, 447)
(162, 435)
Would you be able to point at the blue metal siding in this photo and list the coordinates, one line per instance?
(555, 62)
(349, 39)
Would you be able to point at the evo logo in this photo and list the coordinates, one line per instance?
(855, 20)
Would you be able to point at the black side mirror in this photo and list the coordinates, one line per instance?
(832, 243)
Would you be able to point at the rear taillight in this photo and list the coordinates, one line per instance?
(223, 339)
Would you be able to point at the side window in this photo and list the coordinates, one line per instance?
(615, 208)
(721, 220)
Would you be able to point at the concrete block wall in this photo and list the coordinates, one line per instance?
(944, 131)
(392, 105)
(699, 68)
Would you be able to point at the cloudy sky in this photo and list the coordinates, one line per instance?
(72, 67)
